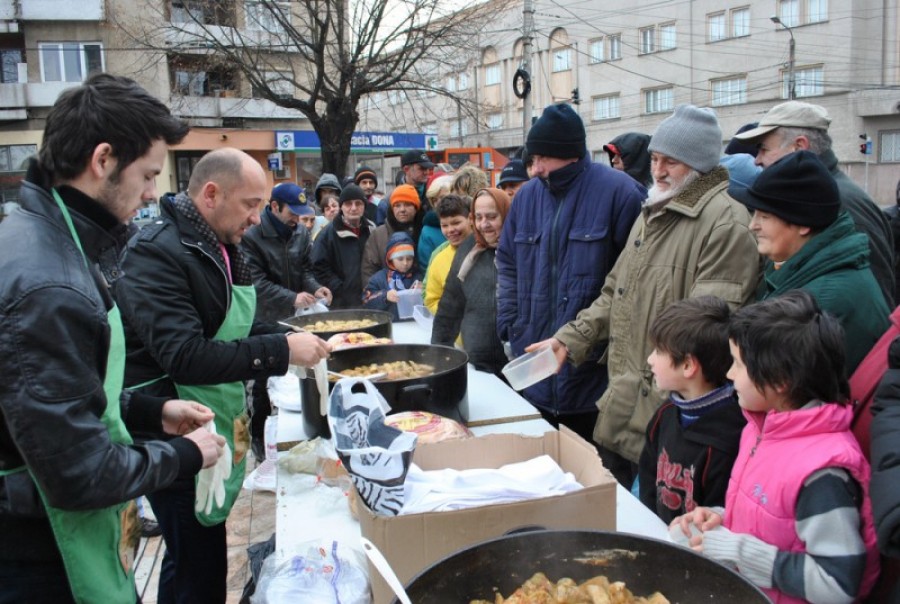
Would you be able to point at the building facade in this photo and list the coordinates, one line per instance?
(630, 65)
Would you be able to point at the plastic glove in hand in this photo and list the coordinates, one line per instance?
(211, 481)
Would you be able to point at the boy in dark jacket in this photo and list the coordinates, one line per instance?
(400, 273)
(692, 439)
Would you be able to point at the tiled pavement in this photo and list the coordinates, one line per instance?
(251, 520)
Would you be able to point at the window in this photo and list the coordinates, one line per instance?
(740, 22)
(731, 91)
(9, 65)
(562, 59)
(13, 157)
(463, 82)
(263, 16)
(816, 11)
(492, 74)
(615, 47)
(658, 100)
(890, 147)
(715, 27)
(191, 11)
(789, 12)
(648, 40)
(495, 121)
(193, 76)
(807, 82)
(458, 128)
(667, 36)
(605, 107)
(430, 128)
(70, 61)
(451, 84)
(596, 49)
(394, 97)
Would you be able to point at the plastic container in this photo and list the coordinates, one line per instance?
(407, 300)
(423, 317)
(531, 368)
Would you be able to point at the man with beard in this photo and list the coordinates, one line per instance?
(691, 239)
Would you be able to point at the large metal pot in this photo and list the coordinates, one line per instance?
(444, 392)
(381, 329)
(645, 565)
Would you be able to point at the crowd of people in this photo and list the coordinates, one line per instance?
(706, 309)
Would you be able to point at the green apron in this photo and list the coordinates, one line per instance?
(97, 546)
(227, 402)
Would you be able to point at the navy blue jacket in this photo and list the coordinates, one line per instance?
(560, 239)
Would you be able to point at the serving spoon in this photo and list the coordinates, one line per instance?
(371, 377)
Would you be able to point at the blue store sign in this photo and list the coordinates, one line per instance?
(361, 142)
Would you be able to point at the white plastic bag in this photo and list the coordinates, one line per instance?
(318, 306)
(376, 456)
(320, 573)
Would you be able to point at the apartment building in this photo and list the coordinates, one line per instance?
(631, 63)
(49, 45)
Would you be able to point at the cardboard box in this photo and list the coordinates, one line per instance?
(412, 543)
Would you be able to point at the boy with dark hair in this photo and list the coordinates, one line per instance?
(797, 520)
(453, 212)
(692, 439)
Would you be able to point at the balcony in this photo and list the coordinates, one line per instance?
(209, 111)
(53, 10)
(16, 98)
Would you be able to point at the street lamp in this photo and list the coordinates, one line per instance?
(775, 19)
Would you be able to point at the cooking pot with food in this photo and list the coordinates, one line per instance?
(441, 390)
(326, 324)
(645, 566)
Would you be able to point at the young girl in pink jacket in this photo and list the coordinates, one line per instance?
(797, 520)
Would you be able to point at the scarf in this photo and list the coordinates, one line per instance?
(692, 410)
(501, 199)
(240, 271)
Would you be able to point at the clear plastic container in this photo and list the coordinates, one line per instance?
(531, 368)
(407, 300)
(423, 317)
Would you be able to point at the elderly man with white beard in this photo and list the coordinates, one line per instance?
(691, 239)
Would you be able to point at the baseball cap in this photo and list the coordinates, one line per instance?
(414, 156)
(791, 114)
(293, 195)
(514, 171)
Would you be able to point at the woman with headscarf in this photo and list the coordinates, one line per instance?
(469, 304)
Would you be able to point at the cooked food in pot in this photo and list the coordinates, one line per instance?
(398, 370)
(598, 590)
(336, 325)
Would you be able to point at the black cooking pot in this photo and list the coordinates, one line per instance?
(381, 329)
(444, 392)
(645, 565)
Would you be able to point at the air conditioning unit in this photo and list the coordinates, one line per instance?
(282, 174)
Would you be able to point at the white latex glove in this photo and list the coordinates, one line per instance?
(211, 481)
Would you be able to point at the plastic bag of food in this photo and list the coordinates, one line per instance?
(429, 427)
(320, 573)
(376, 456)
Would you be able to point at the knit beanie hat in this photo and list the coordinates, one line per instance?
(690, 135)
(406, 193)
(351, 193)
(559, 133)
(798, 189)
(365, 172)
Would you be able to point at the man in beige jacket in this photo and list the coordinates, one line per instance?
(691, 239)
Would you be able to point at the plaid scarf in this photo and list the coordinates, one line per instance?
(240, 271)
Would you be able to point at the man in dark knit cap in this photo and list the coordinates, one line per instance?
(562, 235)
(691, 239)
(367, 180)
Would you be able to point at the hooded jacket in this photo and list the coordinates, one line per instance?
(685, 467)
(699, 244)
(834, 267)
(559, 241)
(327, 181)
(375, 296)
(885, 485)
(337, 260)
(54, 342)
(376, 245)
(280, 268)
(633, 148)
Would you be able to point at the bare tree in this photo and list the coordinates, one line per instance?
(319, 57)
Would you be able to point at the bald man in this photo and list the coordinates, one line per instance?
(188, 303)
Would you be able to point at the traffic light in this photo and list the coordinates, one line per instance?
(866, 146)
(576, 97)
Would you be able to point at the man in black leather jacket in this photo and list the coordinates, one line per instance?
(277, 252)
(104, 143)
(185, 281)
